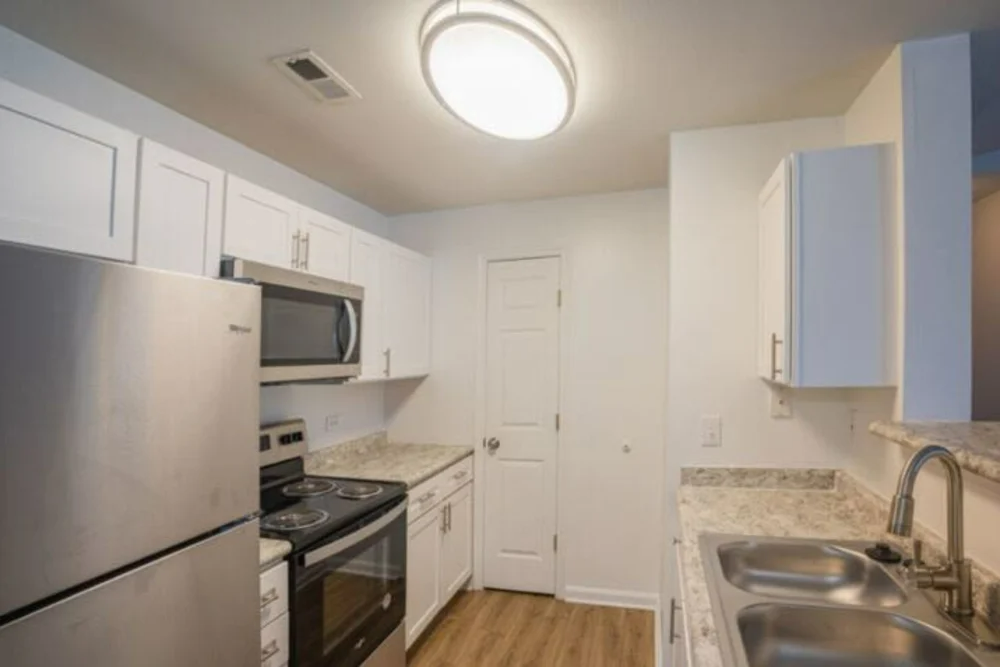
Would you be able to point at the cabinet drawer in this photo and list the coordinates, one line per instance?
(427, 495)
(274, 643)
(424, 497)
(456, 476)
(273, 594)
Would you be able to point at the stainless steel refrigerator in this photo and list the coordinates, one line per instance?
(129, 403)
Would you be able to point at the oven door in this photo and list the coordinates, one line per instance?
(350, 593)
(307, 335)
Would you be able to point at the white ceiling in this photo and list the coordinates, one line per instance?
(645, 68)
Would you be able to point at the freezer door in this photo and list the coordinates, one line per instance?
(198, 607)
(129, 404)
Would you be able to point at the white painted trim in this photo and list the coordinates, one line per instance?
(608, 597)
(658, 635)
(479, 460)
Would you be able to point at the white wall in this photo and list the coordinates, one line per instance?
(919, 100)
(937, 238)
(986, 309)
(354, 410)
(615, 311)
(35, 67)
(716, 177)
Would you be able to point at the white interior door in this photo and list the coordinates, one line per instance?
(522, 396)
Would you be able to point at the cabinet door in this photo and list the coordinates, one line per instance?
(774, 260)
(367, 258)
(423, 573)
(456, 550)
(325, 245)
(67, 180)
(260, 225)
(407, 312)
(180, 212)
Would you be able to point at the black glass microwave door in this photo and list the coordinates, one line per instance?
(300, 328)
(349, 603)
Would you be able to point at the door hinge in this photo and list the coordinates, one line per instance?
(555, 543)
(559, 298)
(558, 421)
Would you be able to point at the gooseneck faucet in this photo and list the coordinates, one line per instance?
(954, 578)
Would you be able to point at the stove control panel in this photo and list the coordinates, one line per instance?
(281, 441)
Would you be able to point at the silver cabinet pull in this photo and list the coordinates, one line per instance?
(269, 651)
(460, 474)
(296, 249)
(267, 598)
(427, 496)
(304, 260)
(775, 342)
(388, 361)
(444, 519)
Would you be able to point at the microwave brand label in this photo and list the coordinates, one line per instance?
(236, 328)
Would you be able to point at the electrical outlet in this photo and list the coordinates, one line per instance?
(781, 403)
(332, 422)
(711, 431)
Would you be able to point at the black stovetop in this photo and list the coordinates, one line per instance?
(342, 513)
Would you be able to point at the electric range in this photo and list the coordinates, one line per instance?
(347, 568)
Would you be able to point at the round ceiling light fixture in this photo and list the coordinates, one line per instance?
(497, 67)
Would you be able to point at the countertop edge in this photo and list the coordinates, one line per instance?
(975, 450)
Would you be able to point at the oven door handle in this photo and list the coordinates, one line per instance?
(358, 536)
(352, 319)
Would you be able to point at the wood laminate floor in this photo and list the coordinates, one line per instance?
(498, 629)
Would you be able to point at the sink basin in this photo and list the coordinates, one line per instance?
(808, 571)
(778, 635)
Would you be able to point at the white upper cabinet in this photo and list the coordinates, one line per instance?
(67, 180)
(325, 245)
(824, 261)
(180, 212)
(260, 225)
(407, 306)
(367, 254)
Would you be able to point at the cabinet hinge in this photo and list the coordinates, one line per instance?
(558, 421)
(555, 543)
(559, 298)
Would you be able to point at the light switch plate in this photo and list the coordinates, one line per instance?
(781, 403)
(711, 431)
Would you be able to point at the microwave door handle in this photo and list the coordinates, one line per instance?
(352, 318)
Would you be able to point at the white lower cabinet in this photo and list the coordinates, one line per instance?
(423, 573)
(439, 550)
(274, 640)
(67, 179)
(456, 542)
(679, 638)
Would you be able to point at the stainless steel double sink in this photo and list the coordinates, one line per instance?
(781, 602)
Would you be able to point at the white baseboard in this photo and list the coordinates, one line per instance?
(608, 597)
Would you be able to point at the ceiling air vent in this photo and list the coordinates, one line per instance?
(315, 77)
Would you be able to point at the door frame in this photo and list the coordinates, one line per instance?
(479, 459)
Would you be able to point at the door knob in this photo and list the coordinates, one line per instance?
(492, 445)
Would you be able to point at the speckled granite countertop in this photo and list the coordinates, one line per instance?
(739, 502)
(976, 445)
(376, 459)
(272, 551)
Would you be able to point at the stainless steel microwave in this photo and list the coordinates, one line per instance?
(310, 329)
